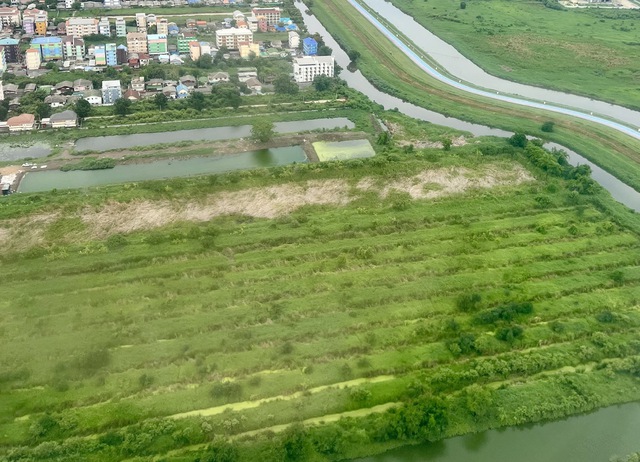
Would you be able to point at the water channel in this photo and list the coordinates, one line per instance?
(10, 152)
(52, 179)
(620, 191)
(107, 143)
(593, 437)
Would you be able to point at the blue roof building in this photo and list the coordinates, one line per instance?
(181, 91)
(50, 47)
(309, 47)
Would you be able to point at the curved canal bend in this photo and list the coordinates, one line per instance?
(619, 190)
(631, 118)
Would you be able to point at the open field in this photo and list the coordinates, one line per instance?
(394, 73)
(414, 294)
(583, 51)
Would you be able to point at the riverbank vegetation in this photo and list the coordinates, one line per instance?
(586, 51)
(408, 297)
(89, 163)
(396, 74)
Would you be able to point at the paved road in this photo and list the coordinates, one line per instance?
(418, 57)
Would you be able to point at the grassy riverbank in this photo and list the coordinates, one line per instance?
(396, 74)
(591, 51)
(417, 294)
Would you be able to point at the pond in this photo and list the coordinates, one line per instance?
(343, 150)
(594, 437)
(106, 143)
(56, 179)
(9, 152)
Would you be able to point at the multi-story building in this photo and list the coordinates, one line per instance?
(141, 22)
(137, 42)
(272, 15)
(35, 21)
(111, 91)
(122, 54)
(194, 50)
(3, 60)
(104, 27)
(305, 69)
(50, 47)
(79, 27)
(309, 47)
(32, 59)
(121, 27)
(10, 16)
(205, 48)
(232, 38)
(151, 20)
(157, 44)
(252, 23)
(11, 49)
(100, 55)
(73, 48)
(294, 40)
(184, 40)
(162, 26)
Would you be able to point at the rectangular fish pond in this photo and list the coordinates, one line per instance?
(56, 179)
(343, 150)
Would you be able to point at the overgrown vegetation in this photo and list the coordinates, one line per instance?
(90, 163)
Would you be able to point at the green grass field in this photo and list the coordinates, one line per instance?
(584, 51)
(343, 150)
(144, 321)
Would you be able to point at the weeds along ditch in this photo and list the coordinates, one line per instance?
(416, 317)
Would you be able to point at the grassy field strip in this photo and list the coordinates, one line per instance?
(251, 404)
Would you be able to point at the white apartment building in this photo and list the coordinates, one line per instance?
(104, 27)
(163, 26)
(121, 27)
(272, 15)
(10, 16)
(294, 39)
(232, 38)
(79, 27)
(32, 59)
(305, 69)
(111, 91)
(141, 22)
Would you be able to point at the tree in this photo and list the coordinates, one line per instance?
(42, 110)
(353, 55)
(82, 108)
(547, 127)
(324, 50)
(295, 443)
(518, 140)
(161, 101)
(122, 107)
(220, 450)
(197, 101)
(446, 143)
(205, 61)
(322, 82)
(283, 85)
(262, 130)
(463, 5)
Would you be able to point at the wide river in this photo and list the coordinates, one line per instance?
(594, 437)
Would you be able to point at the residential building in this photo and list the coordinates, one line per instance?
(141, 22)
(56, 100)
(100, 55)
(156, 44)
(194, 50)
(294, 40)
(137, 42)
(182, 91)
(3, 60)
(32, 59)
(64, 119)
(79, 27)
(10, 16)
(189, 81)
(11, 49)
(93, 97)
(23, 122)
(68, 4)
(50, 47)
(233, 38)
(305, 69)
(246, 73)
(111, 55)
(1, 91)
(121, 27)
(35, 21)
(252, 23)
(162, 26)
(104, 27)
(82, 85)
(73, 48)
(183, 41)
(132, 95)
(173, 28)
(63, 88)
(249, 49)
(254, 85)
(111, 91)
(309, 47)
(121, 54)
(151, 20)
(272, 15)
(205, 48)
(218, 77)
(114, 4)
(137, 83)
